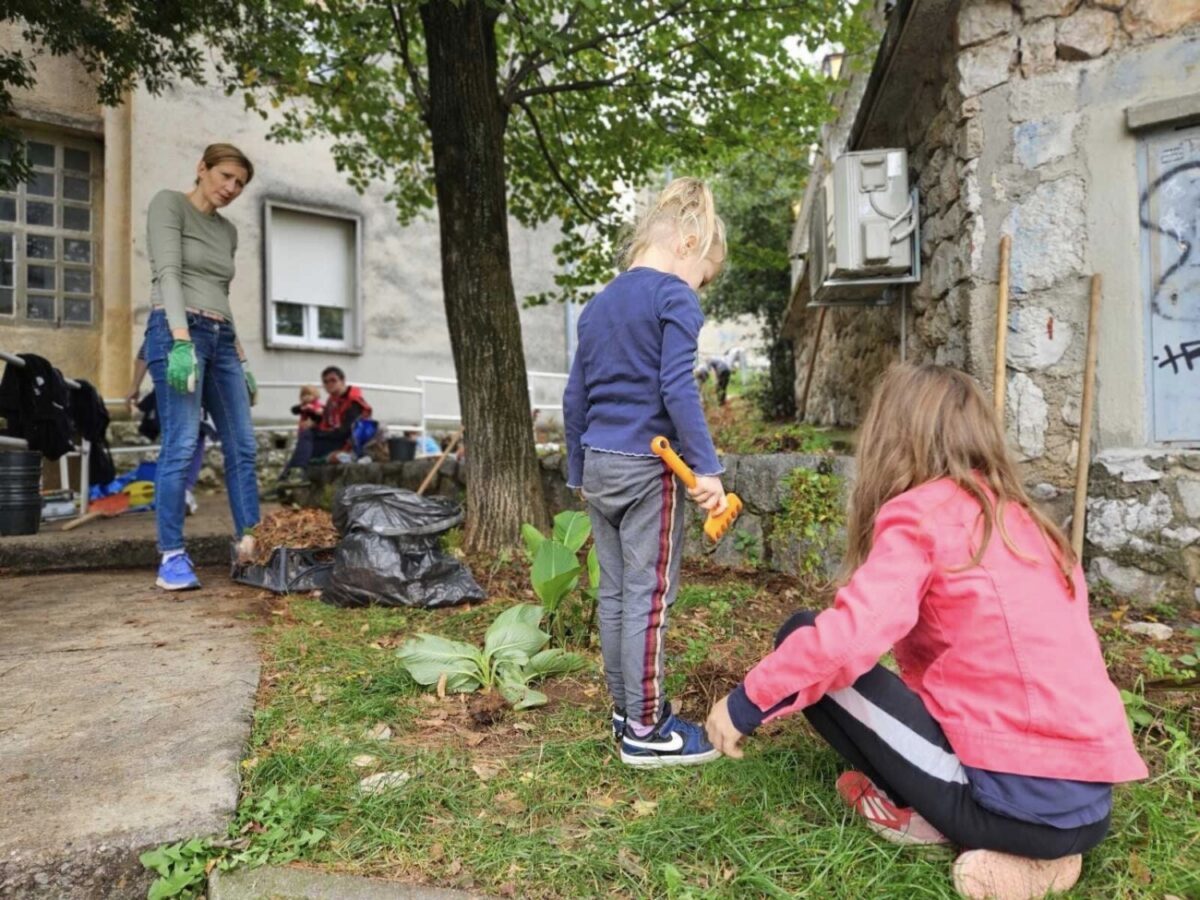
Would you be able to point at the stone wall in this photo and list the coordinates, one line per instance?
(757, 538)
(1020, 128)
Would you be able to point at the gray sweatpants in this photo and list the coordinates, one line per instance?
(636, 508)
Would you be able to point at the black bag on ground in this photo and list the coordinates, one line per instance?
(288, 571)
(390, 555)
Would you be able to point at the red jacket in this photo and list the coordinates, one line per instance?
(1003, 656)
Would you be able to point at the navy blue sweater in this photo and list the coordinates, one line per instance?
(632, 375)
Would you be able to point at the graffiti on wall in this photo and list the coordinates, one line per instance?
(1169, 213)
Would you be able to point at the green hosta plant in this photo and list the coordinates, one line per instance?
(514, 655)
(555, 574)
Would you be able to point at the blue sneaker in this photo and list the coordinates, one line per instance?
(177, 574)
(673, 742)
(618, 723)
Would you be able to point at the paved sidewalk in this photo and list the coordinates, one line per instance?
(126, 541)
(123, 714)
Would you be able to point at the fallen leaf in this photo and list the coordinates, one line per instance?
(454, 868)
(441, 685)
(366, 629)
(364, 761)
(1139, 870)
(318, 696)
(523, 726)
(508, 889)
(509, 803)
(383, 781)
(436, 852)
(475, 739)
(643, 808)
(630, 864)
(250, 763)
(380, 731)
(302, 650)
(485, 771)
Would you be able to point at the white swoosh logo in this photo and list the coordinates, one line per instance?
(674, 745)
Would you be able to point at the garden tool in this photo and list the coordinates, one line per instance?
(715, 525)
(103, 507)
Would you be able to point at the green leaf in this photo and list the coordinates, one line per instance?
(554, 661)
(555, 573)
(593, 568)
(531, 699)
(514, 636)
(532, 537)
(511, 682)
(426, 657)
(572, 529)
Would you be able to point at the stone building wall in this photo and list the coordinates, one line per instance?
(1022, 130)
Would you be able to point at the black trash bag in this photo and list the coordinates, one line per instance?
(288, 571)
(390, 555)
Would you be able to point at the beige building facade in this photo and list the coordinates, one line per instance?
(325, 276)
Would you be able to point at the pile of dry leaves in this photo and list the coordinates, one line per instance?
(298, 529)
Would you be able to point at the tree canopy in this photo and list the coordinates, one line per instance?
(121, 42)
(598, 96)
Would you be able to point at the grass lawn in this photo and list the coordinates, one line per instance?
(537, 804)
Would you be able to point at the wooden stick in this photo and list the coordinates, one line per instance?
(438, 465)
(812, 364)
(999, 384)
(1085, 421)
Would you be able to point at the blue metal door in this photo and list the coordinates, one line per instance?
(1170, 219)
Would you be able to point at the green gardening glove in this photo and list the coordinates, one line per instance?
(251, 384)
(181, 367)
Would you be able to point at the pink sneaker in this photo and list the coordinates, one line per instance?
(991, 875)
(898, 824)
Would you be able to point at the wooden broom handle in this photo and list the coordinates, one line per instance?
(1085, 421)
(998, 381)
(438, 465)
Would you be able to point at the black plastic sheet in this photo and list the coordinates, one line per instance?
(390, 553)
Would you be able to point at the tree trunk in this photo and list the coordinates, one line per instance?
(467, 122)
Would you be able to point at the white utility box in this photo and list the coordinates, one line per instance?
(864, 231)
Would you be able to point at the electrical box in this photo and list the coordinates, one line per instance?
(864, 232)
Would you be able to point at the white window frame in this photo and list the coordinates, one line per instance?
(22, 231)
(352, 344)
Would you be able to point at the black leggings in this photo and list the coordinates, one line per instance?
(906, 754)
(310, 443)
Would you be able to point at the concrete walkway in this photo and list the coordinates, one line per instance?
(126, 541)
(123, 714)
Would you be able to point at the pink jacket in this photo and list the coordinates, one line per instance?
(1004, 658)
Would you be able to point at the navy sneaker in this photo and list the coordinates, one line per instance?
(177, 574)
(673, 742)
(618, 723)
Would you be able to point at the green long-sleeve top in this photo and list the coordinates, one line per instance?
(191, 257)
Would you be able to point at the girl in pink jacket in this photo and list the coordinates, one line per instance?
(1002, 732)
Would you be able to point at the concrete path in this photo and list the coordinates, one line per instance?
(123, 714)
(126, 541)
(277, 883)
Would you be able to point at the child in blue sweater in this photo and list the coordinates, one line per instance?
(632, 380)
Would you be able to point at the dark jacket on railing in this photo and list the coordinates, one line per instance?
(34, 399)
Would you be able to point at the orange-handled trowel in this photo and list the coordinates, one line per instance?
(714, 526)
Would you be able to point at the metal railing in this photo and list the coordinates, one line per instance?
(428, 415)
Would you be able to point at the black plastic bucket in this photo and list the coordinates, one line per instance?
(401, 449)
(20, 492)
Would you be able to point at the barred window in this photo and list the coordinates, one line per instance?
(49, 235)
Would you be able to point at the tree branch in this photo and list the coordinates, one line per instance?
(585, 85)
(414, 75)
(554, 170)
(534, 63)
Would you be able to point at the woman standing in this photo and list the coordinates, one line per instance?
(194, 356)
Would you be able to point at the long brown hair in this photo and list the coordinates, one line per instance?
(928, 422)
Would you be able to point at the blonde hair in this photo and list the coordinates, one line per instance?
(686, 208)
(929, 422)
(215, 154)
(310, 392)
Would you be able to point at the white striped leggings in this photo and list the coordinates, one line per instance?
(882, 729)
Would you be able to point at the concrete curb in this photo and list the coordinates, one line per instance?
(275, 883)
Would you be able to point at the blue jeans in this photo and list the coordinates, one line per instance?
(221, 389)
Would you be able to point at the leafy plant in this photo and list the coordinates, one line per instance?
(268, 829)
(556, 571)
(514, 655)
(813, 513)
(1137, 714)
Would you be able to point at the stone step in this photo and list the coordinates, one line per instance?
(270, 882)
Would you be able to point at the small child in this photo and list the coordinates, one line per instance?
(1002, 732)
(632, 380)
(310, 408)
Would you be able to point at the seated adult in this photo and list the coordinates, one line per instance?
(333, 433)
